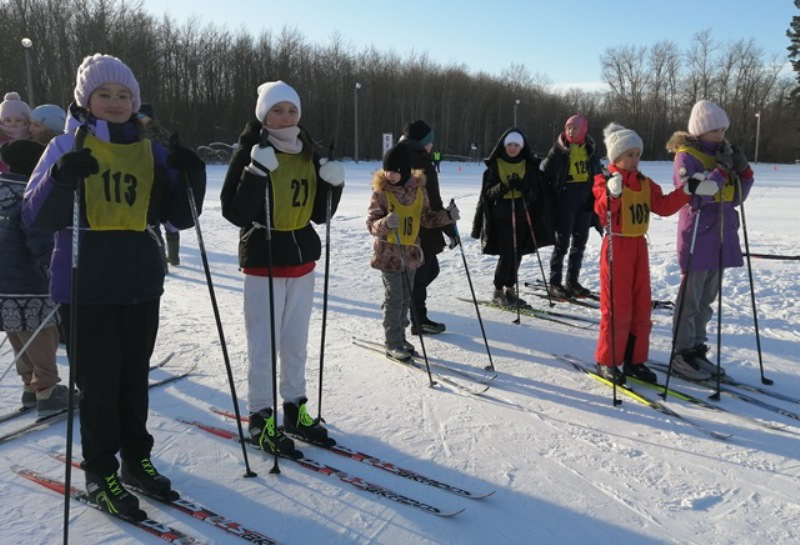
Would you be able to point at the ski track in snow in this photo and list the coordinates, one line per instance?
(567, 467)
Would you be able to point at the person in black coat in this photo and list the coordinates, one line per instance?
(418, 137)
(569, 169)
(514, 204)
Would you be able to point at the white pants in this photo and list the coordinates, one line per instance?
(293, 301)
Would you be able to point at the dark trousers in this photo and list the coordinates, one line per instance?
(507, 270)
(423, 277)
(114, 345)
(572, 225)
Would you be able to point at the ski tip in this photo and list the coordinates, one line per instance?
(481, 496)
(445, 514)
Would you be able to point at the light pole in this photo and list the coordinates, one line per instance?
(355, 110)
(27, 44)
(758, 134)
(516, 103)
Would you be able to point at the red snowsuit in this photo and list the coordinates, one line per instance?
(630, 217)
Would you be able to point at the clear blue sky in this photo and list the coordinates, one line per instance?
(561, 39)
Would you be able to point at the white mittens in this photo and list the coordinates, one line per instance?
(262, 160)
(614, 185)
(331, 172)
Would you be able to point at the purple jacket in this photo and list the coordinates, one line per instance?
(116, 267)
(707, 213)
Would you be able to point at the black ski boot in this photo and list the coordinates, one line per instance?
(268, 438)
(296, 420)
(559, 292)
(110, 496)
(141, 475)
(640, 371)
(576, 290)
(429, 327)
(611, 373)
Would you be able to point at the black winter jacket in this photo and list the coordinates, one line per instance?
(556, 171)
(244, 204)
(493, 207)
(431, 240)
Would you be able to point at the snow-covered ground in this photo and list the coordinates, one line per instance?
(566, 465)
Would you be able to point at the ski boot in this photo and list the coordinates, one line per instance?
(297, 421)
(110, 496)
(141, 475)
(265, 434)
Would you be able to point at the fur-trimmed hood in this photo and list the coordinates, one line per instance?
(680, 139)
(379, 182)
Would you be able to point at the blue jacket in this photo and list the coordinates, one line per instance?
(26, 252)
(115, 267)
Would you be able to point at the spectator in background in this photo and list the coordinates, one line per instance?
(47, 122)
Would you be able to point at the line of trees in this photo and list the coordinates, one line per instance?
(202, 80)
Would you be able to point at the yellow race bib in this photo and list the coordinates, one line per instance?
(118, 196)
(635, 211)
(294, 188)
(409, 216)
(709, 162)
(578, 163)
(506, 171)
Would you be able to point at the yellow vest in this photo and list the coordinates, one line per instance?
(709, 163)
(409, 216)
(118, 196)
(635, 211)
(506, 170)
(578, 163)
(294, 188)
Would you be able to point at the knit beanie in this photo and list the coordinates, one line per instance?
(618, 140)
(419, 131)
(582, 124)
(398, 159)
(97, 70)
(707, 116)
(272, 92)
(51, 116)
(13, 105)
(514, 138)
(21, 156)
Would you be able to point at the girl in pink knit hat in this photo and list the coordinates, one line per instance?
(703, 152)
(15, 119)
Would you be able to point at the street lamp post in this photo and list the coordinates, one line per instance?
(27, 44)
(758, 134)
(355, 110)
(516, 103)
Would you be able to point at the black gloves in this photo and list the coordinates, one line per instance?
(740, 163)
(725, 155)
(72, 167)
(183, 158)
(516, 183)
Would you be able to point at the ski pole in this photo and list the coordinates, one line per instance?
(514, 257)
(716, 395)
(77, 197)
(29, 341)
(273, 352)
(764, 379)
(328, 208)
(610, 234)
(773, 256)
(174, 143)
(414, 317)
(536, 250)
(472, 291)
(681, 296)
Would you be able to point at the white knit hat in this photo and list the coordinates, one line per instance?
(272, 92)
(707, 116)
(97, 70)
(618, 140)
(514, 138)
